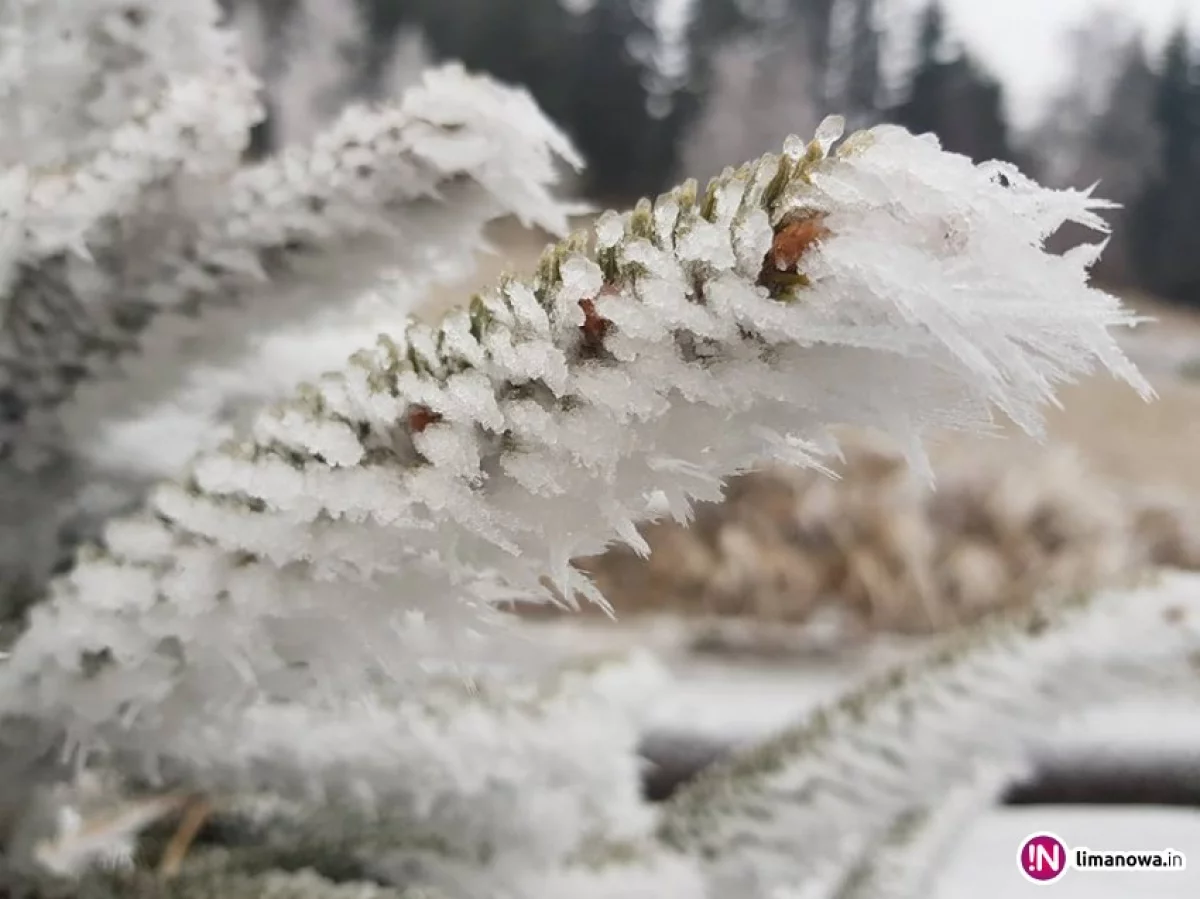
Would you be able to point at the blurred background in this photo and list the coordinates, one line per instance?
(1076, 92)
(652, 91)
(799, 582)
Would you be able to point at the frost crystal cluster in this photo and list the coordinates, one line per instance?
(139, 252)
(307, 623)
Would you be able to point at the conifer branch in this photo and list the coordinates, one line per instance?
(197, 127)
(363, 197)
(904, 865)
(540, 763)
(172, 284)
(383, 512)
(803, 807)
(315, 613)
(65, 225)
(72, 74)
(504, 786)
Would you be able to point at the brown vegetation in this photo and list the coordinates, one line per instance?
(898, 556)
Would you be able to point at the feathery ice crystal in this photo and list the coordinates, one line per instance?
(294, 615)
(390, 505)
(191, 259)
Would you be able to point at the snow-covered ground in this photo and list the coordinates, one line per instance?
(732, 698)
(726, 700)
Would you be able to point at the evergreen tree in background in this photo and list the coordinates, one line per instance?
(818, 16)
(627, 130)
(1124, 149)
(1165, 224)
(863, 88)
(592, 67)
(759, 71)
(750, 71)
(589, 67)
(953, 97)
(1101, 128)
(1123, 154)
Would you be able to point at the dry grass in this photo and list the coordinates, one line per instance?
(1154, 444)
(892, 555)
(1149, 445)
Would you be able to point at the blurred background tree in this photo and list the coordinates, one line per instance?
(950, 95)
(651, 90)
(1165, 219)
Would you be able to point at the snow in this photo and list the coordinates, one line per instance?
(728, 701)
(1159, 730)
(731, 698)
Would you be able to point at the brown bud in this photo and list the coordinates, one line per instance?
(595, 326)
(793, 240)
(421, 417)
(780, 268)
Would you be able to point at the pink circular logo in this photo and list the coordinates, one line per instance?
(1043, 858)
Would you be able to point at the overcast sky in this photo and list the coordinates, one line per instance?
(1019, 40)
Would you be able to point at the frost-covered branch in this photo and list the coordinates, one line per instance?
(196, 128)
(189, 275)
(368, 527)
(56, 318)
(802, 809)
(512, 792)
(517, 786)
(72, 74)
(77, 234)
(372, 193)
(525, 767)
(127, 199)
(904, 864)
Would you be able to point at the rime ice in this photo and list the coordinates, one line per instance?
(930, 302)
(297, 609)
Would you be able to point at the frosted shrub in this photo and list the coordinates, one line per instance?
(303, 631)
